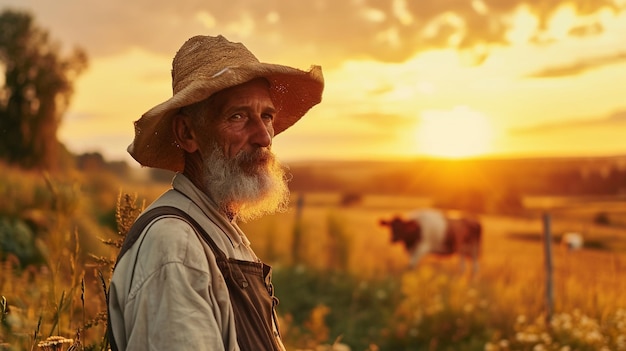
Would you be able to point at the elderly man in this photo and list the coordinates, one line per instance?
(186, 277)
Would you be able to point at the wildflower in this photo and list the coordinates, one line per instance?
(490, 347)
(54, 343)
(620, 341)
(483, 303)
(594, 336)
(526, 337)
(381, 294)
(532, 337)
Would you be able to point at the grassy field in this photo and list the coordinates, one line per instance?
(339, 280)
(436, 306)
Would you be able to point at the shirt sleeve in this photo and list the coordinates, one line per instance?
(172, 304)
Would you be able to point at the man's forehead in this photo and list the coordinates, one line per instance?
(257, 89)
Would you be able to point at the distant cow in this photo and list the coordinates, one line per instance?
(430, 231)
(572, 241)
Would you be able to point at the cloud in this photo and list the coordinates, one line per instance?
(384, 30)
(617, 119)
(578, 67)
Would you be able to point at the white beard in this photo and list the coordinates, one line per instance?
(244, 186)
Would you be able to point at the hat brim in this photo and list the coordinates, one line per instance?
(293, 91)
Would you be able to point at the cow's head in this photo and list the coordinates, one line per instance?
(407, 231)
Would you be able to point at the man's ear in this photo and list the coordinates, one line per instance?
(184, 133)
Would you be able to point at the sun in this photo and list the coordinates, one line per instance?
(457, 133)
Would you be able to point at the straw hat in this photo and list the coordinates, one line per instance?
(205, 65)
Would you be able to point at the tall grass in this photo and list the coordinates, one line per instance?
(56, 297)
(339, 280)
(374, 302)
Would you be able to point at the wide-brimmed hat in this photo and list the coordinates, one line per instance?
(205, 65)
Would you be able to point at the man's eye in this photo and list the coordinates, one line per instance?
(268, 116)
(236, 116)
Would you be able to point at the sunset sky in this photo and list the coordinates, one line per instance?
(404, 79)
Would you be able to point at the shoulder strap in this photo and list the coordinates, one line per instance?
(140, 224)
(135, 232)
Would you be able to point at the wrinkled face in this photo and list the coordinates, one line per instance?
(242, 122)
(239, 169)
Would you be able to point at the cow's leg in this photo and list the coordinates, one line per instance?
(419, 252)
(475, 260)
(462, 259)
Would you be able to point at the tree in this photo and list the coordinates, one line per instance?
(36, 92)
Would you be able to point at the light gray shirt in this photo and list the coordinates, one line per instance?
(167, 292)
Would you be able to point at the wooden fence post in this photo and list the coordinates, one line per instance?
(296, 244)
(547, 236)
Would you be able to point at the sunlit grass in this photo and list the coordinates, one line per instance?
(436, 306)
(346, 287)
(53, 298)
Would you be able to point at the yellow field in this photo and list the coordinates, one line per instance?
(339, 277)
(510, 286)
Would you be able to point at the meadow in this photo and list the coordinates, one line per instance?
(340, 282)
(436, 306)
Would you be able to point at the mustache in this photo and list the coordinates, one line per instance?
(261, 155)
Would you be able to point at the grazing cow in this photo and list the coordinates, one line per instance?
(430, 231)
(572, 241)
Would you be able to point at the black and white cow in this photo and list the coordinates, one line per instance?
(430, 231)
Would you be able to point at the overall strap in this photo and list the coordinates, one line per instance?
(140, 224)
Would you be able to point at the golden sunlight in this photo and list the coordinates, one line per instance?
(461, 132)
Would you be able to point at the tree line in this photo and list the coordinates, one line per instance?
(478, 185)
(36, 92)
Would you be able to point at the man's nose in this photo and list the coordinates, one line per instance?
(261, 132)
